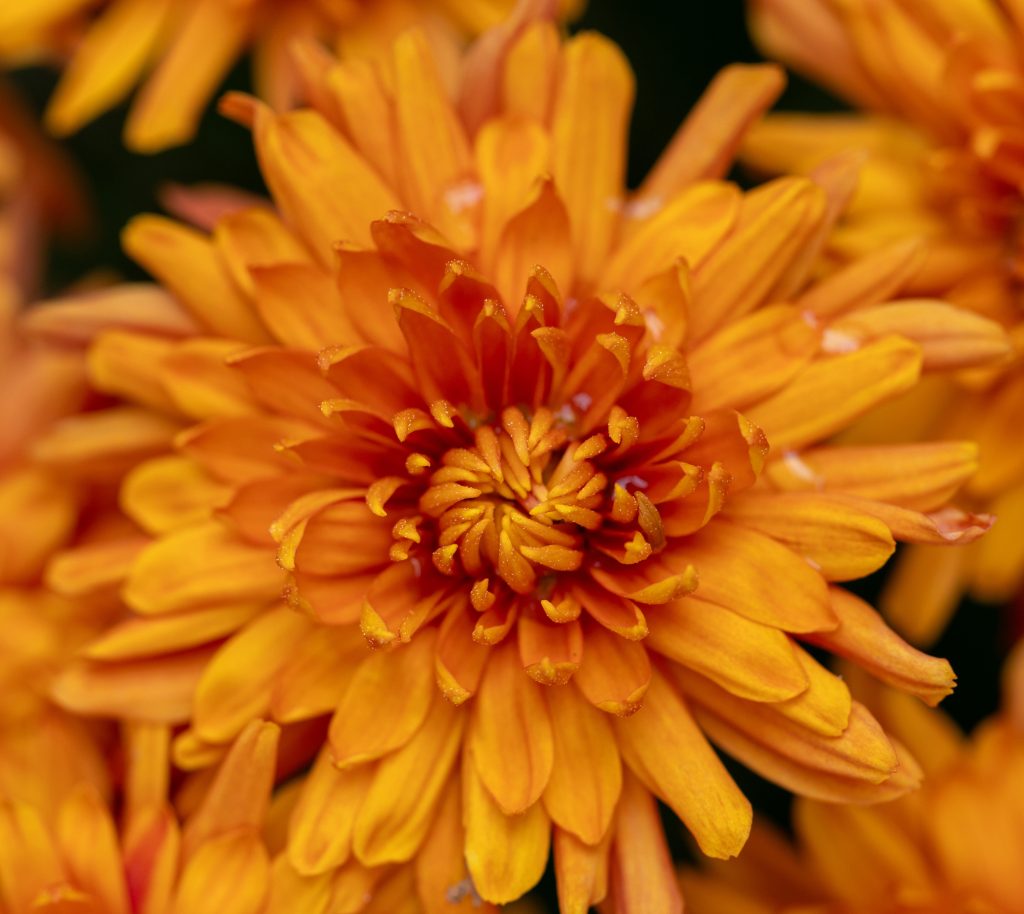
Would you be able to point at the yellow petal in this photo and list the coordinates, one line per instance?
(385, 703)
(166, 111)
(200, 566)
(589, 126)
(581, 872)
(320, 830)
(667, 750)
(748, 659)
(641, 875)
(830, 393)
(586, 776)
(106, 64)
(506, 855)
(187, 265)
(323, 187)
(89, 842)
(229, 874)
(170, 493)
(397, 810)
(239, 679)
(510, 736)
(236, 800)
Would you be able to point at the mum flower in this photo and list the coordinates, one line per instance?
(181, 50)
(462, 396)
(79, 859)
(951, 848)
(943, 145)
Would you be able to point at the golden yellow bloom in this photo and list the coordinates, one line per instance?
(944, 153)
(463, 396)
(189, 46)
(77, 859)
(953, 847)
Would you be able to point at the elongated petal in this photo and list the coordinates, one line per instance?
(586, 776)
(200, 566)
(395, 814)
(506, 855)
(385, 703)
(510, 736)
(862, 636)
(829, 394)
(641, 875)
(685, 770)
(842, 542)
(751, 660)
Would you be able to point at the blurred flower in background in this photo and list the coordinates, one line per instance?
(181, 50)
(944, 146)
(462, 395)
(953, 847)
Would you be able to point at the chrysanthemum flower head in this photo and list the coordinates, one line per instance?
(78, 858)
(951, 848)
(943, 148)
(181, 50)
(554, 450)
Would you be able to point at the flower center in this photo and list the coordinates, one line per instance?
(516, 501)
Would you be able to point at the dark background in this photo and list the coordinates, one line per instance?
(676, 47)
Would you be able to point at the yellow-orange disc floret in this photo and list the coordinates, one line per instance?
(181, 50)
(952, 847)
(554, 449)
(943, 146)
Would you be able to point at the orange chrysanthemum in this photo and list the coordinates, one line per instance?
(464, 397)
(944, 148)
(77, 859)
(191, 44)
(954, 847)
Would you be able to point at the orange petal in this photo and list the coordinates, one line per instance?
(731, 562)
(840, 541)
(506, 855)
(201, 566)
(396, 813)
(385, 703)
(928, 474)
(586, 777)
(155, 689)
(510, 739)
(460, 660)
(615, 672)
(167, 110)
(778, 339)
(684, 770)
(320, 829)
(746, 658)
(164, 247)
(589, 126)
(323, 187)
(581, 872)
(950, 337)
(641, 875)
(237, 798)
(238, 682)
(864, 637)
(706, 142)
(830, 393)
(89, 842)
